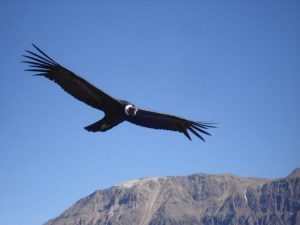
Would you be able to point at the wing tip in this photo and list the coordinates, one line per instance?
(198, 128)
(187, 134)
(195, 133)
(206, 125)
(42, 56)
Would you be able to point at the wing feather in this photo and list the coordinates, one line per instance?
(76, 86)
(158, 120)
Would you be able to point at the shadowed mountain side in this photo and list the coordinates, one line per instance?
(185, 200)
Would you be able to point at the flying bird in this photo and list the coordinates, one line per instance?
(115, 110)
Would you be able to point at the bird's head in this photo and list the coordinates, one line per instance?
(131, 110)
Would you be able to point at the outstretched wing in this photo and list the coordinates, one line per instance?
(76, 86)
(157, 120)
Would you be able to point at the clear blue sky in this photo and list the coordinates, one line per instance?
(236, 63)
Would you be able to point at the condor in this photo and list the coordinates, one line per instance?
(116, 111)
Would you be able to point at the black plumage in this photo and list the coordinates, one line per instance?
(115, 110)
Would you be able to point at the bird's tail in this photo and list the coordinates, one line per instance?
(103, 124)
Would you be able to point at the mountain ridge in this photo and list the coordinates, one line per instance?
(196, 199)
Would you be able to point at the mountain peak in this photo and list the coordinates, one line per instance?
(196, 199)
(141, 181)
(295, 173)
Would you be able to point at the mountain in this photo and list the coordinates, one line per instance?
(186, 200)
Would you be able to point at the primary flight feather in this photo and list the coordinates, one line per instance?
(115, 110)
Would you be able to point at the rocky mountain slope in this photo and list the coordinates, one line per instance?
(187, 200)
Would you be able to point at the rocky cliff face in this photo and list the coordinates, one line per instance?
(196, 199)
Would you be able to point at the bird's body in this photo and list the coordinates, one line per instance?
(116, 111)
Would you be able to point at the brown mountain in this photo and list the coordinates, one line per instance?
(186, 200)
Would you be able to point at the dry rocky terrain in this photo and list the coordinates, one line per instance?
(186, 200)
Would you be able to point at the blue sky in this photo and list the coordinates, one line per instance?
(231, 62)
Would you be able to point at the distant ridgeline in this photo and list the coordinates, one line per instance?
(186, 200)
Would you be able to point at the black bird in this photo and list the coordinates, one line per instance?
(116, 111)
